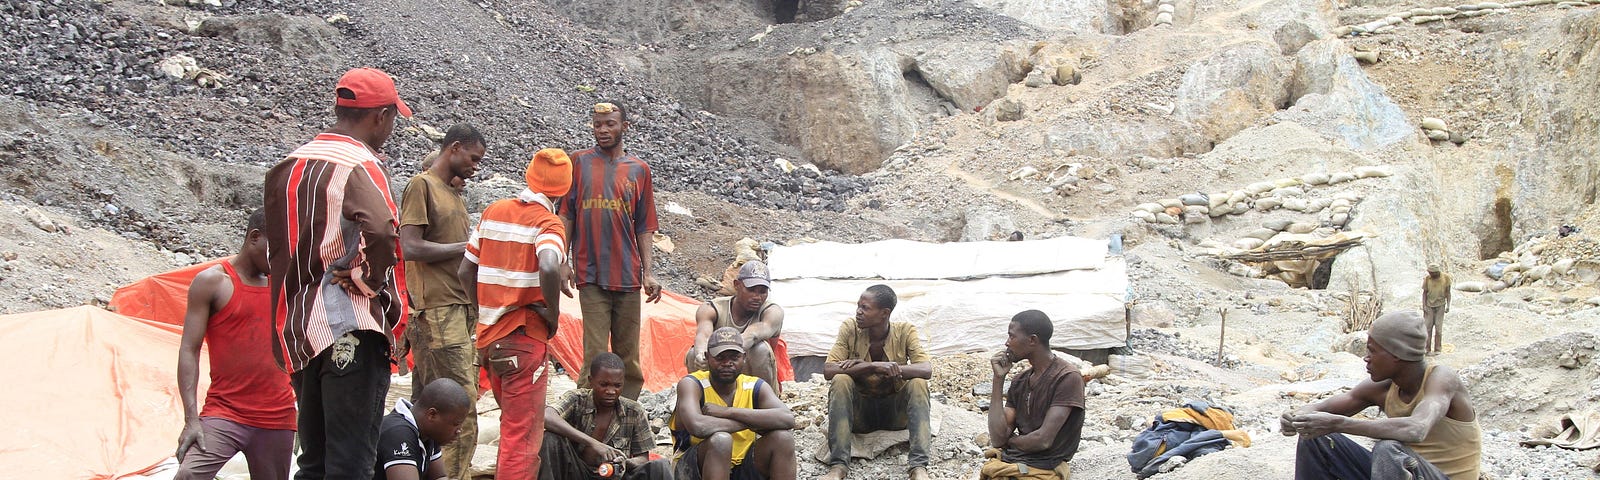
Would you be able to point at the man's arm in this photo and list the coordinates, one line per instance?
(652, 287)
(202, 291)
(550, 287)
(768, 326)
(553, 422)
(705, 321)
(919, 365)
(1000, 428)
(366, 207)
(1411, 429)
(693, 419)
(1040, 439)
(417, 249)
(1365, 394)
(436, 468)
(404, 471)
(770, 413)
(467, 272)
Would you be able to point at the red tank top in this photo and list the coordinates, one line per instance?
(246, 385)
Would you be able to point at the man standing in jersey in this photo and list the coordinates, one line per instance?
(611, 219)
(433, 236)
(332, 243)
(513, 273)
(250, 406)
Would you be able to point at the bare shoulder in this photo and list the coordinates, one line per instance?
(1448, 378)
(210, 277)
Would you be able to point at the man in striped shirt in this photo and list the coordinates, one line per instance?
(612, 214)
(513, 273)
(332, 251)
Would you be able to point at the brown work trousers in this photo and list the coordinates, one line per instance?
(441, 346)
(611, 319)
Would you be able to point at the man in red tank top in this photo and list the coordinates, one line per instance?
(250, 405)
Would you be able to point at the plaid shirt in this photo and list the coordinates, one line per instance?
(629, 432)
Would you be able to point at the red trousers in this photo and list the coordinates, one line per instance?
(519, 379)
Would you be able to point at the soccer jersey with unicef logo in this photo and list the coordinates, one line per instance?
(744, 397)
(611, 202)
(400, 443)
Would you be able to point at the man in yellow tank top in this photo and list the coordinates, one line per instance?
(728, 425)
(1431, 431)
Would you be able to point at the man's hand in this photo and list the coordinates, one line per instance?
(569, 279)
(889, 369)
(1286, 424)
(552, 319)
(1316, 424)
(1001, 364)
(605, 453)
(193, 436)
(341, 277)
(711, 410)
(698, 359)
(848, 364)
(652, 288)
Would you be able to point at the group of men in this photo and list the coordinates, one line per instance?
(332, 263)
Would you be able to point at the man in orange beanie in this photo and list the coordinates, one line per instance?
(513, 273)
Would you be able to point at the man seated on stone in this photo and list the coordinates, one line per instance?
(587, 428)
(412, 435)
(880, 382)
(758, 321)
(1035, 427)
(728, 425)
(1431, 431)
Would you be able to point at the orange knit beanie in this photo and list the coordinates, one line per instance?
(550, 172)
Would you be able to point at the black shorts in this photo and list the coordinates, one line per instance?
(688, 466)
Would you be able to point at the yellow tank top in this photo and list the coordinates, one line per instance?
(744, 397)
(1452, 446)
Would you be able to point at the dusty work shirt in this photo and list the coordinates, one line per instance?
(328, 208)
(903, 346)
(628, 433)
(431, 203)
(1436, 291)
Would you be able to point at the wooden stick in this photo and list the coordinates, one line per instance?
(1223, 335)
(1127, 323)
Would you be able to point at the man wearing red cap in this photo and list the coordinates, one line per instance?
(612, 214)
(333, 255)
(433, 236)
(513, 273)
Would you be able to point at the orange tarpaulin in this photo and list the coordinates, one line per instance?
(161, 297)
(95, 393)
(667, 331)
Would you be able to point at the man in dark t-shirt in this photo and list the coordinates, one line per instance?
(411, 436)
(1037, 424)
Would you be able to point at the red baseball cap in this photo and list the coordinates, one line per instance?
(369, 88)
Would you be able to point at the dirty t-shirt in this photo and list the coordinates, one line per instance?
(1436, 292)
(1032, 394)
(431, 203)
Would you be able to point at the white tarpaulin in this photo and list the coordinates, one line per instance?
(1081, 290)
(906, 259)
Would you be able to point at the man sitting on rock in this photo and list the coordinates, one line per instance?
(591, 427)
(758, 321)
(729, 425)
(1035, 427)
(880, 382)
(1431, 431)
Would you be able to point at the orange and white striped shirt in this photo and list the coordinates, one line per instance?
(506, 247)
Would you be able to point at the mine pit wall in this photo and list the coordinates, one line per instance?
(1462, 205)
